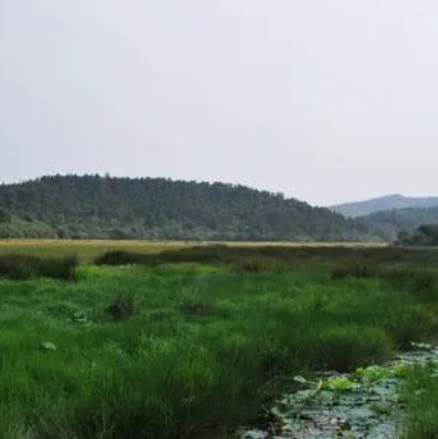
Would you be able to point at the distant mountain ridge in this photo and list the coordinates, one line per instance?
(386, 203)
(91, 206)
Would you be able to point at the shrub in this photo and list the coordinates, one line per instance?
(25, 267)
(259, 265)
(205, 255)
(357, 269)
(122, 307)
(120, 257)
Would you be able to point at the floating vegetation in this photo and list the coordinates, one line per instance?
(363, 404)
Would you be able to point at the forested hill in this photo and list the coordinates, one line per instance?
(390, 223)
(156, 208)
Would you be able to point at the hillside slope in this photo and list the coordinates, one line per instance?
(387, 203)
(390, 223)
(155, 208)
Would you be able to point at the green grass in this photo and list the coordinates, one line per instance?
(421, 394)
(198, 348)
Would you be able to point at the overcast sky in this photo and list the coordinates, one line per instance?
(324, 100)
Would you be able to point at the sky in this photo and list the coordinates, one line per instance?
(324, 100)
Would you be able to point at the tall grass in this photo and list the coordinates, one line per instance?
(421, 395)
(200, 350)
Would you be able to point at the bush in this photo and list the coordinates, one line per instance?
(120, 257)
(122, 307)
(260, 265)
(20, 267)
(188, 255)
(358, 269)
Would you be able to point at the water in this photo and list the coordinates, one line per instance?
(364, 405)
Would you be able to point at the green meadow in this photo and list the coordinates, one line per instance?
(183, 342)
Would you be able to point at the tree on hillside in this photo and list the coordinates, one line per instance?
(425, 235)
(5, 216)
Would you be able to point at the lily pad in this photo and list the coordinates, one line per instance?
(48, 346)
(341, 383)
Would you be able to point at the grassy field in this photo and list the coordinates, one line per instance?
(89, 249)
(194, 342)
(84, 249)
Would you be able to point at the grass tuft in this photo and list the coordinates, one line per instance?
(122, 307)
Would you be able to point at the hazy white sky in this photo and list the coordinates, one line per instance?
(324, 100)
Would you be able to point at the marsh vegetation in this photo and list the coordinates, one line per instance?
(195, 342)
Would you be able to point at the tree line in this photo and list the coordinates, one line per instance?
(425, 236)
